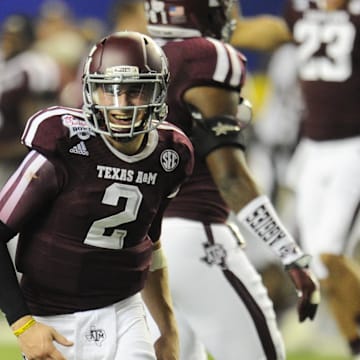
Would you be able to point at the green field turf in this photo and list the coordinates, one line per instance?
(10, 352)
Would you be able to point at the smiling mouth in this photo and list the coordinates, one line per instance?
(119, 122)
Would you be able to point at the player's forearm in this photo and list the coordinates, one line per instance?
(158, 300)
(263, 33)
(12, 302)
(232, 177)
(253, 209)
(132, 18)
(156, 295)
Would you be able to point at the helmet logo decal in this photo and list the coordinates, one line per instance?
(169, 160)
(122, 70)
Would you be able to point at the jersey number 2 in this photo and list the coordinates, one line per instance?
(103, 232)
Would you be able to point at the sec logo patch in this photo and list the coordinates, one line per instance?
(169, 160)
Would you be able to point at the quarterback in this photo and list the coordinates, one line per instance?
(87, 202)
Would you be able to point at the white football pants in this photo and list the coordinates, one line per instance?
(219, 299)
(325, 178)
(116, 332)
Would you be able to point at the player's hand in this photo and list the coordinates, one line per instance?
(36, 343)
(308, 290)
(167, 346)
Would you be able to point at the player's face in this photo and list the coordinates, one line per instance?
(124, 103)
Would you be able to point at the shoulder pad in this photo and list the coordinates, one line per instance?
(180, 142)
(208, 62)
(165, 125)
(47, 127)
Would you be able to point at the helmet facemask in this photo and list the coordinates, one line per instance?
(220, 16)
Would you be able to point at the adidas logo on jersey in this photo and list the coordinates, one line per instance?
(79, 149)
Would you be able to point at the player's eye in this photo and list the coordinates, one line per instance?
(112, 89)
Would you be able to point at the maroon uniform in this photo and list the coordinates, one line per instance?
(87, 229)
(329, 67)
(325, 167)
(209, 62)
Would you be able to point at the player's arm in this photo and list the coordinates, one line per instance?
(157, 297)
(217, 136)
(130, 15)
(31, 186)
(261, 32)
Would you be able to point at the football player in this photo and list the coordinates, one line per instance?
(221, 303)
(261, 32)
(129, 15)
(325, 168)
(88, 201)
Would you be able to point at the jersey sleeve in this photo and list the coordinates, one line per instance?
(186, 165)
(45, 130)
(208, 62)
(183, 155)
(188, 161)
(32, 186)
(185, 151)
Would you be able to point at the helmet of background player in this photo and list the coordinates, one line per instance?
(125, 82)
(188, 18)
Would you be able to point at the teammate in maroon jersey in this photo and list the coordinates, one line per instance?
(220, 301)
(325, 169)
(88, 202)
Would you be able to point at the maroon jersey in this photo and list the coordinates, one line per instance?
(87, 214)
(329, 67)
(199, 62)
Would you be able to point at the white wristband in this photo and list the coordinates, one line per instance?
(158, 260)
(260, 218)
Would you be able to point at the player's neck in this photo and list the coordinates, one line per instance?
(130, 147)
